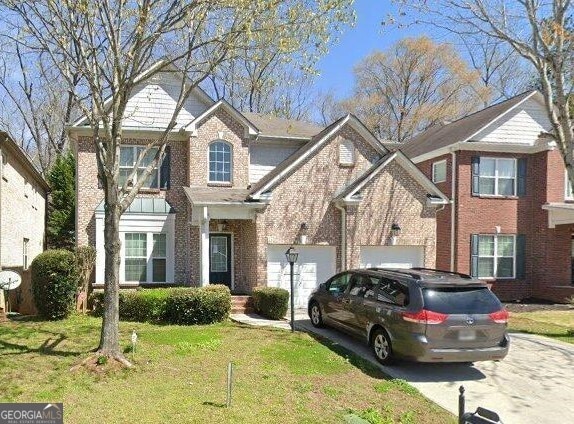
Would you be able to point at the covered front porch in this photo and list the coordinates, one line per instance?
(224, 233)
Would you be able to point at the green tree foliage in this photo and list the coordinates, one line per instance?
(62, 203)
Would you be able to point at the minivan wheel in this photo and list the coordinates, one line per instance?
(315, 315)
(381, 344)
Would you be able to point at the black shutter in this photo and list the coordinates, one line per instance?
(475, 160)
(474, 255)
(521, 183)
(165, 169)
(520, 256)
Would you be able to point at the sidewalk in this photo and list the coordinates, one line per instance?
(259, 321)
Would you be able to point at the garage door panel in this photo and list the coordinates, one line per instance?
(391, 256)
(314, 265)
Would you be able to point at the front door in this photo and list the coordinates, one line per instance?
(220, 259)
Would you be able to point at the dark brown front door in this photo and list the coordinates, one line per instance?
(220, 259)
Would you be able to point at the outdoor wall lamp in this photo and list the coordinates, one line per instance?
(303, 233)
(291, 254)
(395, 232)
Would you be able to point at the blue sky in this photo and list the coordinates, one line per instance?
(336, 68)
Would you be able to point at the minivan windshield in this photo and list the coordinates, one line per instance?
(460, 300)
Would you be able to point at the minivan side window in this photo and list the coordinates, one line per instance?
(393, 291)
(363, 285)
(338, 284)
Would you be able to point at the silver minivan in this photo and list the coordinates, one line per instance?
(419, 314)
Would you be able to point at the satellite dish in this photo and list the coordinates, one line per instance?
(9, 280)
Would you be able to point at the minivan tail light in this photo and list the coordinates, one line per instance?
(425, 317)
(499, 317)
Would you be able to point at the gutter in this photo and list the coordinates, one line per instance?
(452, 208)
(343, 236)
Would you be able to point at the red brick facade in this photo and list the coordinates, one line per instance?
(547, 251)
(304, 195)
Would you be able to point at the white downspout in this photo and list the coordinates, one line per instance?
(343, 237)
(452, 208)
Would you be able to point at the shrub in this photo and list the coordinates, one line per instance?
(144, 305)
(54, 283)
(202, 305)
(271, 302)
(189, 305)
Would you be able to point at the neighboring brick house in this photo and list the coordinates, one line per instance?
(511, 221)
(236, 190)
(23, 193)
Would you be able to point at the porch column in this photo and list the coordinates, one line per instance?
(204, 246)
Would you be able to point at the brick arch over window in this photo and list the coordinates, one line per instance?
(220, 158)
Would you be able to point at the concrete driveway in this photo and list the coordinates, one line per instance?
(533, 384)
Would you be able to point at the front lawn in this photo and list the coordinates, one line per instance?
(555, 324)
(180, 376)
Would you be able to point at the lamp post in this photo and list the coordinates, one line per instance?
(292, 256)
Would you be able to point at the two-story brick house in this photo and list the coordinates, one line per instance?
(511, 220)
(237, 189)
(23, 194)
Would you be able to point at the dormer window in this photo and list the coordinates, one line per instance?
(346, 153)
(220, 157)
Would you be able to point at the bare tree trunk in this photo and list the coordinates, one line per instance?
(109, 338)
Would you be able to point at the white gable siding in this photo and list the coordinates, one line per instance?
(522, 125)
(154, 100)
(264, 159)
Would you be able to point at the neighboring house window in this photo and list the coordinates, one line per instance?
(128, 158)
(494, 256)
(346, 152)
(439, 171)
(136, 257)
(25, 244)
(219, 162)
(159, 258)
(498, 176)
(568, 194)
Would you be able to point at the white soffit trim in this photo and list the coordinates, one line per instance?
(192, 126)
(351, 120)
(478, 146)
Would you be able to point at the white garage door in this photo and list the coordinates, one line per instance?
(392, 256)
(313, 267)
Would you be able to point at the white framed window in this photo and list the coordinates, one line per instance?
(568, 194)
(497, 176)
(145, 257)
(25, 243)
(496, 256)
(159, 258)
(135, 257)
(220, 162)
(346, 152)
(128, 158)
(439, 171)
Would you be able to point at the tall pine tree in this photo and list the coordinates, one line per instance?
(62, 203)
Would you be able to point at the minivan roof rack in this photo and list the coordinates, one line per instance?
(399, 271)
(460, 274)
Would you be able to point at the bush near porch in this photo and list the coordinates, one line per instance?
(185, 305)
(271, 302)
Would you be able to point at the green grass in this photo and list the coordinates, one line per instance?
(556, 324)
(180, 376)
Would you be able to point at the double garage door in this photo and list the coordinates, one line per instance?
(317, 263)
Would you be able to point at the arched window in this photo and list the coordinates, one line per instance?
(219, 162)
